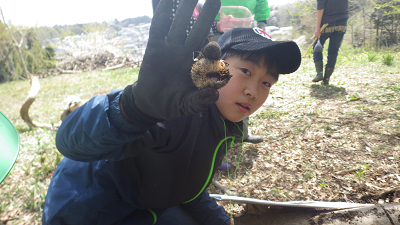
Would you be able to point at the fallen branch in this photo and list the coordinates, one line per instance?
(370, 185)
(69, 71)
(343, 172)
(116, 66)
(220, 186)
(24, 111)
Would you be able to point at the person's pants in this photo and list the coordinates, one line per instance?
(174, 215)
(335, 40)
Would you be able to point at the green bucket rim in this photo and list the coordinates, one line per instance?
(10, 145)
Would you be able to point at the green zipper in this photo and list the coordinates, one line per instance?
(154, 215)
(212, 165)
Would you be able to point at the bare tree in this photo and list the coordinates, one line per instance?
(35, 85)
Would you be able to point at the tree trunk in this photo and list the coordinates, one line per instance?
(365, 27)
(377, 34)
(397, 17)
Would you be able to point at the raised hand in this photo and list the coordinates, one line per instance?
(164, 89)
(209, 70)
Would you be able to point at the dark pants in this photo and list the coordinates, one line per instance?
(335, 40)
(174, 215)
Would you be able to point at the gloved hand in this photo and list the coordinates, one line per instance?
(164, 89)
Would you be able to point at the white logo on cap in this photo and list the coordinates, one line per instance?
(262, 33)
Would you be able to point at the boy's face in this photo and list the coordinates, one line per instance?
(246, 91)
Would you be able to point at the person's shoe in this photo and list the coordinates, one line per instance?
(225, 167)
(319, 67)
(254, 139)
(328, 73)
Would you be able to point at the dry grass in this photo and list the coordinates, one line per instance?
(334, 143)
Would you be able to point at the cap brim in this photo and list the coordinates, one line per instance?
(286, 53)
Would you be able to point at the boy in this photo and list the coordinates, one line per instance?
(146, 154)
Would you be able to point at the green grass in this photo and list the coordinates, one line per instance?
(25, 187)
(54, 90)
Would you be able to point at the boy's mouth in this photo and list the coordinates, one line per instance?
(243, 107)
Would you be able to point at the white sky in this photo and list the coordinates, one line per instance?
(53, 12)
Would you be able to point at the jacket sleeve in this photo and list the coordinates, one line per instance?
(205, 210)
(96, 130)
(261, 11)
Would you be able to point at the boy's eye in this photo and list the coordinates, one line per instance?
(267, 84)
(245, 71)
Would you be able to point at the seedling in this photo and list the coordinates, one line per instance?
(275, 192)
(323, 184)
(387, 60)
(308, 175)
(360, 173)
(353, 97)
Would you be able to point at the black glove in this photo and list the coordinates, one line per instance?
(164, 89)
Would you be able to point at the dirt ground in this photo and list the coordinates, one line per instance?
(334, 143)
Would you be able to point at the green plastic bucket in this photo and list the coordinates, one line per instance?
(9, 146)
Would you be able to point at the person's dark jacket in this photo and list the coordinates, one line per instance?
(113, 169)
(334, 11)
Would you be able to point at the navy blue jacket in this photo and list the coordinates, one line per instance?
(113, 171)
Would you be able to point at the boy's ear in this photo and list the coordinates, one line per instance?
(212, 51)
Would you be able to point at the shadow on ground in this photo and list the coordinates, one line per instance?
(327, 92)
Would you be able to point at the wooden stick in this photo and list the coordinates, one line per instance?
(343, 172)
(309, 47)
(220, 186)
(315, 39)
(322, 28)
(116, 66)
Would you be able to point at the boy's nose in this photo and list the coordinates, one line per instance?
(251, 91)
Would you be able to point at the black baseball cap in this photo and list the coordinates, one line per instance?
(287, 53)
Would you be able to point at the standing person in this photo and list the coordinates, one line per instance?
(259, 8)
(147, 153)
(336, 14)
